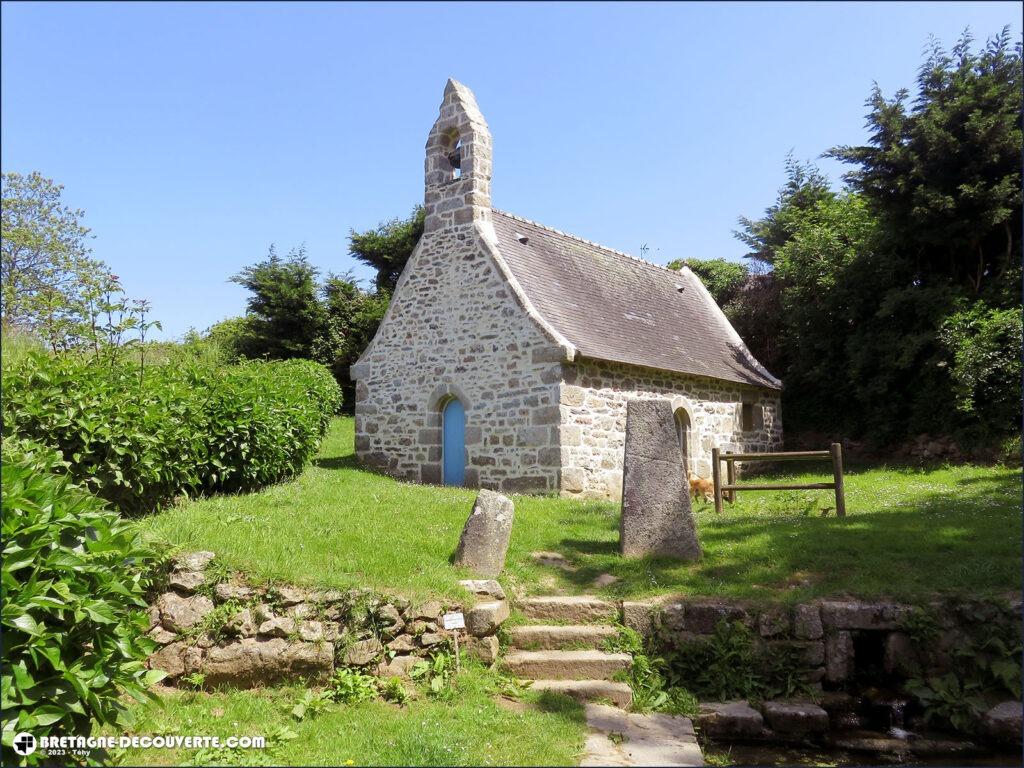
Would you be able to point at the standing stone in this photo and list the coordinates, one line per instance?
(656, 514)
(485, 538)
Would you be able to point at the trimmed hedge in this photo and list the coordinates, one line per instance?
(73, 577)
(139, 438)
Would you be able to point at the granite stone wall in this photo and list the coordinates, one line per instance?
(455, 330)
(593, 400)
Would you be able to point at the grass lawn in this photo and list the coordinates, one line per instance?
(908, 532)
(471, 730)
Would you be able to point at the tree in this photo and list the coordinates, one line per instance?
(353, 316)
(944, 176)
(388, 247)
(723, 279)
(755, 310)
(894, 302)
(51, 287)
(284, 313)
(291, 315)
(805, 187)
(45, 270)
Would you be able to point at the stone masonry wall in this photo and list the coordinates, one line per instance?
(455, 328)
(233, 632)
(593, 404)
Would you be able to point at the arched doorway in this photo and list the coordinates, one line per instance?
(453, 442)
(682, 419)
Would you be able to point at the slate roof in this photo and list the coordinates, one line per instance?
(615, 307)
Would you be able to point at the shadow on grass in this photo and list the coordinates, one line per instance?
(963, 538)
(348, 461)
(563, 706)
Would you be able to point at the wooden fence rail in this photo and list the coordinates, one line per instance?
(731, 487)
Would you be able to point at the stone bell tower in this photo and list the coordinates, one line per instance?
(458, 164)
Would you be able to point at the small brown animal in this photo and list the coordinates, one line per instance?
(700, 486)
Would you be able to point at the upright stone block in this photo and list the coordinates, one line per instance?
(656, 514)
(485, 538)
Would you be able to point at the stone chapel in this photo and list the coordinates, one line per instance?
(510, 349)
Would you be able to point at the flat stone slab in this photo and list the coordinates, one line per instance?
(836, 614)
(571, 609)
(799, 717)
(623, 739)
(619, 694)
(1003, 722)
(565, 665)
(548, 637)
(730, 718)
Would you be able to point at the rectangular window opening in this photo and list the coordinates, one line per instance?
(748, 417)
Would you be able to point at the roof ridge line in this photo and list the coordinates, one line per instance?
(579, 239)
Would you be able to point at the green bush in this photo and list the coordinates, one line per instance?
(138, 438)
(984, 345)
(73, 578)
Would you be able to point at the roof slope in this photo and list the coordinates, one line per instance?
(615, 307)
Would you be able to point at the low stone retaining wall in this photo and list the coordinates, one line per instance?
(839, 639)
(848, 650)
(215, 630)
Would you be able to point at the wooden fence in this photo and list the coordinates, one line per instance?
(731, 487)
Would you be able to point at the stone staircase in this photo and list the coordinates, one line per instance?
(562, 651)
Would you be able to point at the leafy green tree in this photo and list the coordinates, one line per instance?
(755, 308)
(45, 270)
(284, 313)
(723, 279)
(388, 247)
(756, 315)
(943, 174)
(51, 287)
(805, 187)
(894, 300)
(985, 349)
(353, 316)
(823, 294)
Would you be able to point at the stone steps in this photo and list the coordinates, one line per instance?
(565, 665)
(548, 637)
(619, 694)
(576, 609)
(562, 653)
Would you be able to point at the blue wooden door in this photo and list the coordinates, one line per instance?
(453, 451)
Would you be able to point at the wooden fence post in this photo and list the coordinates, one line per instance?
(730, 478)
(716, 476)
(837, 474)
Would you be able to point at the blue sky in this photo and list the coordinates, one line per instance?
(195, 135)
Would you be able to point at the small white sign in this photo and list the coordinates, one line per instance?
(454, 621)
